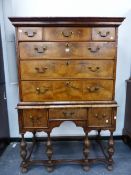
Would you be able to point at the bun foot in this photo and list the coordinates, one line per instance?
(86, 168)
(110, 167)
(50, 169)
(24, 170)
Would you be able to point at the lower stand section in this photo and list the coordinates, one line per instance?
(49, 163)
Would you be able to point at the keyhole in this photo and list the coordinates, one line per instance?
(67, 49)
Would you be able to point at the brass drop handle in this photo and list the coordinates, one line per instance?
(41, 49)
(30, 33)
(96, 115)
(93, 49)
(41, 90)
(94, 69)
(32, 119)
(41, 69)
(104, 115)
(93, 88)
(67, 33)
(69, 85)
(103, 34)
(100, 117)
(68, 114)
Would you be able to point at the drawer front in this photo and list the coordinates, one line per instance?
(35, 118)
(29, 33)
(72, 114)
(99, 117)
(103, 34)
(55, 50)
(39, 70)
(98, 89)
(66, 34)
(64, 90)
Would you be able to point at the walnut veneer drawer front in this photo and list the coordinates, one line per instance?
(35, 118)
(99, 117)
(68, 113)
(103, 34)
(66, 34)
(41, 69)
(55, 50)
(29, 33)
(67, 90)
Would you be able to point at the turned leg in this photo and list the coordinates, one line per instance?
(110, 152)
(86, 152)
(23, 153)
(49, 152)
(98, 135)
(34, 137)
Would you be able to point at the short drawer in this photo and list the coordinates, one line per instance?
(35, 118)
(66, 34)
(62, 50)
(64, 90)
(72, 114)
(29, 33)
(43, 69)
(103, 34)
(99, 117)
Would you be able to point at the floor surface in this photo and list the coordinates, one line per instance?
(10, 159)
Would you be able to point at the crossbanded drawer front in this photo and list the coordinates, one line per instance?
(42, 69)
(68, 114)
(99, 117)
(64, 90)
(103, 34)
(55, 50)
(29, 33)
(35, 118)
(66, 34)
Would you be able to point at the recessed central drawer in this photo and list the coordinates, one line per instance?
(42, 69)
(68, 113)
(64, 90)
(55, 50)
(66, 34)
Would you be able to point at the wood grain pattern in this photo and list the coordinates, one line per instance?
(47, 69)
(35, 118)
(55, 50)
(103, 34)
(68, 114)
(99, 117)
(66, 90)
(29, 33)
(66, 34)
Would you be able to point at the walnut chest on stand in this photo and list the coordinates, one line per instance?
(67, 72)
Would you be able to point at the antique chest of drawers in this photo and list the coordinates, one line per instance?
(67, 72)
